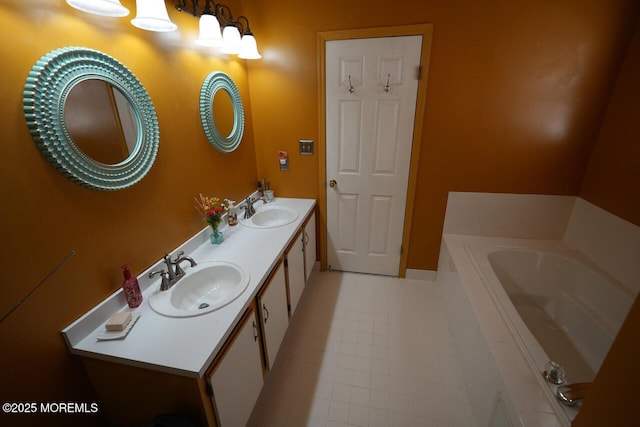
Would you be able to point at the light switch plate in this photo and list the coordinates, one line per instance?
(306, 147)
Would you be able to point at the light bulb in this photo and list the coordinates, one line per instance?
(249, 47)
(231, 40)
(112, 8)
(210, 34)
(152, 16)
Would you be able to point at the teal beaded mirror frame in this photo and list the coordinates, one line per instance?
(214, 82)
(45, 94)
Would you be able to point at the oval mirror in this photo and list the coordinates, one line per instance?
(62, 110)
(218, 117)
(223, 113)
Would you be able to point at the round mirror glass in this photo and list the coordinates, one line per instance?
(70, 127)
(223, 115)
(101, 121)
(222, 124)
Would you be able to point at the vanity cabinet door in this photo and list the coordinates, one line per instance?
(295, 271)
(309, 245)
(236, 377)
(274, 313)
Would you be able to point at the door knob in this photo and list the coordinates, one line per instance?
(332, 183)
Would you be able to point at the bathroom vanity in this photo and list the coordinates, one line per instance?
(209, 366)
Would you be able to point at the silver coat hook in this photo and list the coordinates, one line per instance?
(351, 88)
(387, 87)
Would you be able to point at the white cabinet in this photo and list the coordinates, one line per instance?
(274, 313)
(237, 377)
(295, 271)
(309, 233)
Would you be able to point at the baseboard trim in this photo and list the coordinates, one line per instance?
(428, 275)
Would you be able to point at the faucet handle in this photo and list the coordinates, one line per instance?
(179, 271)
(572, 394)
(163, 274)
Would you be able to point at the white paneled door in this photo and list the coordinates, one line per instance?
(371, 90)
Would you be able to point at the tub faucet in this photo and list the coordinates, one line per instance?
(572, 394)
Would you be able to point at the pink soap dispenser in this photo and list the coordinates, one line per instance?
(131, 288)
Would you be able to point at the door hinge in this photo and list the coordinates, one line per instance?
(209, 389)
(419, 72)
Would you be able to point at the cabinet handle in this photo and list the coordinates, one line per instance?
(266, 313)
(305, 238)
(255, 331)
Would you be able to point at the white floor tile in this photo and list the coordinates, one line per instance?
(365, 351)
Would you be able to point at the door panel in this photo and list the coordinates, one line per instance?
(349, 143)
(237, 380)
(386, 145)
(295, 272)
(380, 229)
(309, 245)
(371, 91)
(272, 303)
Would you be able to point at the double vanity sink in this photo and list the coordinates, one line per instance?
(211, 285)
(205, 288)
(271, 217)
(201, 309)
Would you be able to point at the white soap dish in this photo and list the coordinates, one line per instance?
(116, 335)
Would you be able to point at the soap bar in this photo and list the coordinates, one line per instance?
(118, 321)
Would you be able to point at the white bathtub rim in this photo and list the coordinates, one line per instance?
(608, 318)
(530, 394)
(479, 251)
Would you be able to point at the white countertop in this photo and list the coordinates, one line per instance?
(187, 346)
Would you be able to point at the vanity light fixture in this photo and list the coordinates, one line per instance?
(217, 27)
(100, 7)
(234, 38)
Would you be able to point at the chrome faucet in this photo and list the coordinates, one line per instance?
(174, 272)
(572, 394)
(249, 210)
(181, 258)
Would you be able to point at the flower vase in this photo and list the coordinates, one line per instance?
(216, 237)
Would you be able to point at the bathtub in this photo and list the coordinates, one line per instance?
(530, 301)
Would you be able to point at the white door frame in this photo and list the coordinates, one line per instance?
(425, 30)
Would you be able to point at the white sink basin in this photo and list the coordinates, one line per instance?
(271, 217)
(205, 288)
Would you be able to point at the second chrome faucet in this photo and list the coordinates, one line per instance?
(174, 272)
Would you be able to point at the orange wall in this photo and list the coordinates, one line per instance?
(515, 98)
(612, 180)
(44, 216)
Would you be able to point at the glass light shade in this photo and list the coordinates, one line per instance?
(231, 40)
(152, 16)
(210, 34)
(249, 48)
(111, 8)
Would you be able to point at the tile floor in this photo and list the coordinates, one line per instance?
(365, 350)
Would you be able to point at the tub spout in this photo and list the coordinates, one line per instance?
(572, 394)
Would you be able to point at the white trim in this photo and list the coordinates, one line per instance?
(428, 275)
